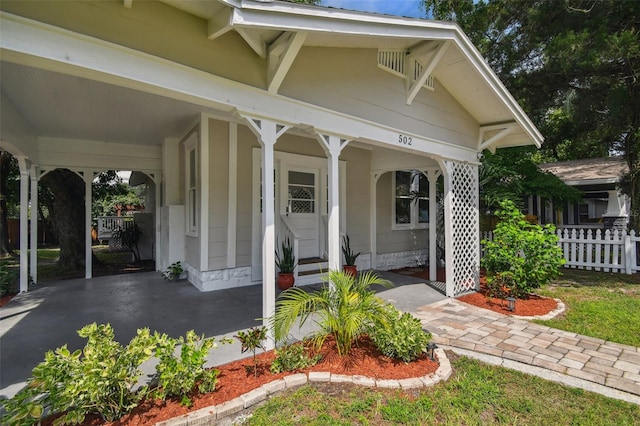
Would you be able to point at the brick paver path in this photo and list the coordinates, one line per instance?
(572, 358)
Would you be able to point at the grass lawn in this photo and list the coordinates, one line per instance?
(599, 304)
(477, 394)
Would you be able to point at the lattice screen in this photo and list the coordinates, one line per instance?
(464, 225)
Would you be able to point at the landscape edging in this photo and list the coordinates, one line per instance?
(208, 415)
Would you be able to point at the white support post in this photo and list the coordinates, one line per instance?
(88, 179)
(268, 140)
(34, 224)
(23, 163)
(157, 181)
(333, 146)
(433, 229)
(233, 198)
(448, 233)
(373, 218)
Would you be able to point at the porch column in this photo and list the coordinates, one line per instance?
(373, 218)
(157, 183)
(88, 179)
(267, 133)
(433, 175)
(333, 146)
(34, 223)
(23, 164)
(462, 231)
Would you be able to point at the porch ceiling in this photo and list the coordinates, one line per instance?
(61, 106)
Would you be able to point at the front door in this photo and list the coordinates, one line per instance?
(302, 208)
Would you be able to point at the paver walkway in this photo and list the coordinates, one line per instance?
(593, 364)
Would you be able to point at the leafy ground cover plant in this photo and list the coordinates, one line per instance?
(344, 309)
(178, 373)
(527, 254)
(293, 357)
(251, 340)
(97, 379)
(400, 336)
(102, 377)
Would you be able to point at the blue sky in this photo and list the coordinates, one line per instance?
(410, 8)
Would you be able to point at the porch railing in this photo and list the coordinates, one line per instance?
(288, 230)
(107, 225)
(608, 251)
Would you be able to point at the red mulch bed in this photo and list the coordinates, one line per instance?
(364, 360)
(533, 305)
(5, 299)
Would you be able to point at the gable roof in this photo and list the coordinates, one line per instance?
(588, 171)
(442, 49)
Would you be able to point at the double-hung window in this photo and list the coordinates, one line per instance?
(410, 191)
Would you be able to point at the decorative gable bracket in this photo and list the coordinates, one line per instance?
(415, 65)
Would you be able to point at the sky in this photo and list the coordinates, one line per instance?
(408, 8)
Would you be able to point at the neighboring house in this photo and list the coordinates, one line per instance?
(603, 206)
(210, 99)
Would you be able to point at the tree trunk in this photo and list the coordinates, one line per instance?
(5, 159)
(68, 191)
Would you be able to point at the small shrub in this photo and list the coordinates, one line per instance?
(179, 373)
(252, 340)
(344, 309)
(399, 336)
(293, 357)
(8, 279)
(528, 255)
(97, 379)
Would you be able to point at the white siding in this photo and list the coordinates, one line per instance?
(349, 81)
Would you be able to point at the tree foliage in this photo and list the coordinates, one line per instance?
(574, 66)
(511, 173)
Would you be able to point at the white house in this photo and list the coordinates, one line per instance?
(212, 98)
(602, 206)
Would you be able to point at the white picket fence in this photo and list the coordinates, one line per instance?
(608, 251)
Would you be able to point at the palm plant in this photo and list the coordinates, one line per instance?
(343, 310)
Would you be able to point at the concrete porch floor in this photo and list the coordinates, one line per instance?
(49, 316)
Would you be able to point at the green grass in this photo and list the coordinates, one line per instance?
(48, 269)
(477, 394)
(598, 304)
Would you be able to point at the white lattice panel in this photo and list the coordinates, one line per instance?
(465, 232)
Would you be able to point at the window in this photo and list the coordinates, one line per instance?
(191, 184)
(301, 192)
(410, 200)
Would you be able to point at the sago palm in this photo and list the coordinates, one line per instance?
(343, 310)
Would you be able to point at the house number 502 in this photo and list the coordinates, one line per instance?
(405, 140)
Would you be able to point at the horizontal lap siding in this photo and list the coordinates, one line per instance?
(349, 81)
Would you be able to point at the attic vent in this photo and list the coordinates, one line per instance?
(395, 62)
(392, 61)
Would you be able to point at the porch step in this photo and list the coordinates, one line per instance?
(311, 270)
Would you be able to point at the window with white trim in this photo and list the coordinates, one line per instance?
(410, 204)
(191, 185)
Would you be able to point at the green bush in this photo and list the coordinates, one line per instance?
(400, 336)
(293, 357)
(524, 256)
(8, 279)
(179, 373)
(101, 377)
(97, 379)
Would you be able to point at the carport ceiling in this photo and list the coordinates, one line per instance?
(68, 107)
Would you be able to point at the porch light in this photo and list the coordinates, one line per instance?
(431, 347)
(511, 303)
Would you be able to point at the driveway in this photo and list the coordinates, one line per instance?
(49, 316)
